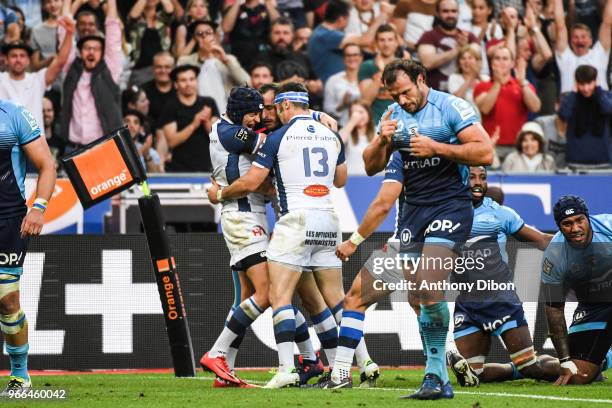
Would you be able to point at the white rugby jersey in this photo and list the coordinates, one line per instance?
(232, 150)
(303, 155)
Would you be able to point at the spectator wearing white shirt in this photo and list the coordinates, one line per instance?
(577, 51)
(28, 88)
(356, 135)
(463, 82)
(485, 28)
(342, 89)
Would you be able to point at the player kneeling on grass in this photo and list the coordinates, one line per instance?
(308, 160)
(579, 258)
(482, 314)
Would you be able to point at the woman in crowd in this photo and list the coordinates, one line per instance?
(462, 83)
(530, 155)
(356, 135)
(184, 42)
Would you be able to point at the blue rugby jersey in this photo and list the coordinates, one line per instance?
(436, 179)
(17, 128)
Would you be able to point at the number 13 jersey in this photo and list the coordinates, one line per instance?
(303, 155)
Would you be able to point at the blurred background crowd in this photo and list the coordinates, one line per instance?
(537, 71)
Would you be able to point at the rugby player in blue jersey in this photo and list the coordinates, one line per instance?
(579, 258)
(20, 137)
(480, 315)
(439, 136)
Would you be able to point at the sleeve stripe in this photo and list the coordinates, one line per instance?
(31, 140)
(390, 180)
(261, 166)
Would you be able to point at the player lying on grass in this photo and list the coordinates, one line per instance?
(579, 258)
(479, 315)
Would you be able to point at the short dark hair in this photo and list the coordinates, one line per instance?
(282, 20)
(183, 68)
(85, 13)
(268, 87)
(438, 5)
(260, 64)
(293, 87)
(196, 23)
(385, 28)
(336, 9)
(411, 68)
(581, 26)
(585, 74)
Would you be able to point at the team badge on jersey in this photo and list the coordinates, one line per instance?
(30, 119)
(547, 266)
(463, 107)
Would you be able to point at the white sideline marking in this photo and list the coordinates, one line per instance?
(483, 394)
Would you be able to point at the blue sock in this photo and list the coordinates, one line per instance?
(434, 326)
(422, 338)
(327, 331)
(284, 334)
(516, 374)
(608, 360)
(19, 360)
(337, 312)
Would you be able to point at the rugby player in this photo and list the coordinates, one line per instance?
(438, 135)
(579, 258)
(308, 159)
(369, 371)
(233, 144)
(479, 316)
(20, 137)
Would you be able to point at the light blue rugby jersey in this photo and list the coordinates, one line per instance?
(436, 179)
(17, 128)
(587, 271)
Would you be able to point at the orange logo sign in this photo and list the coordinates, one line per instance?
(102, 169)
(316, 190)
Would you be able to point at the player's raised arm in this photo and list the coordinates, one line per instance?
(376, 154)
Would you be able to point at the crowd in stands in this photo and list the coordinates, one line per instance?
(538, 72)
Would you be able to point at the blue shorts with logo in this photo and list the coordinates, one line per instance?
(590, 334)
(493, 318)
(12, 246)
(448, 223)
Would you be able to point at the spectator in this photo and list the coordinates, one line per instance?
(315, 12)
(532, 47)
(149, 33)
(579, 51)
(485, 28)
(159, 90)
(294, 10)
(530, 155)
(187, 120)
(328, 39)
(86, 24)
(96, 7)
(91, 104)
(413, 18)
(505, 101)
(30, 8)
(342, 88)
(135, 98)
(371, 87)
(25, 32)
(134, 120)
(438, 48)
(44, 35)
(219, 72)
(469, 74)
(302, 36)
(184, 41)
(51, 130)
(587, 12)
(510, 24)
(261, 74)
(554, 135)
(363, 13)
(356, 135)
(282, 58)
(9, 24)
(247, 25)
(587, 114)
(28, 88)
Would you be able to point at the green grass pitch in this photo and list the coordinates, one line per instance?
(163, 390)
